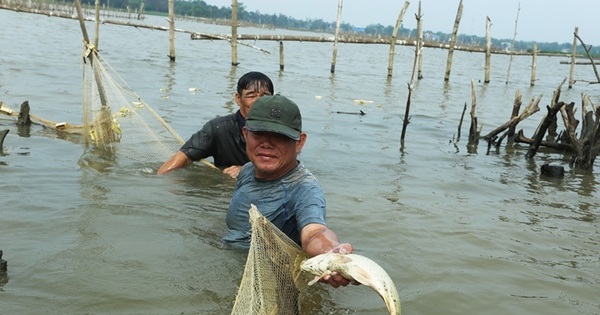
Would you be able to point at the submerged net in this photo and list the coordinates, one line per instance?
(117, 119)
(272, 280)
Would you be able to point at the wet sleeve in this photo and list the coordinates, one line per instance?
(201, 144)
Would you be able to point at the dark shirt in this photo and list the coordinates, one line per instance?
(220, 138)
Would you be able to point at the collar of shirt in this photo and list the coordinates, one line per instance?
(241, 122)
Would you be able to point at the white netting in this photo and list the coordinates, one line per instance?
(116, 118)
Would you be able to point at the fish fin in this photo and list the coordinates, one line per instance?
(317, 278)
(360, 275)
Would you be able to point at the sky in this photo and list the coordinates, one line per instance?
(538, 20)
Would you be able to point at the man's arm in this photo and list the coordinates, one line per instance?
(178, 160)
(318, 239)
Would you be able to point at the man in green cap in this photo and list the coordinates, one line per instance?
(283, 190)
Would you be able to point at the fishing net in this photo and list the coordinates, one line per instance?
(272, 279)
(118, 120)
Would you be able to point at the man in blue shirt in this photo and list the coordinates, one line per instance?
(283, 190)
(221, 137)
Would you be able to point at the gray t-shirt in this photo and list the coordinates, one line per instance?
(290, 203)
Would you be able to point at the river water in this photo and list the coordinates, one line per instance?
(459, 229)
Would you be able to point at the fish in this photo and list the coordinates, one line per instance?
(358, 268)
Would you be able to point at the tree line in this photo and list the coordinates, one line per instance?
(200, 9)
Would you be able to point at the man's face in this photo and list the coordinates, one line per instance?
(272, 154)
(248, 97)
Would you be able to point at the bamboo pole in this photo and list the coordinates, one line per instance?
(573, 54)
(453, 41)
(488, 48)
(533, 64)
(172, 30)
(512, 46)
(337, 30)
(394, 37)
(234, 7)
(281, 60)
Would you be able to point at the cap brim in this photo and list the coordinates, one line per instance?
(266, 126)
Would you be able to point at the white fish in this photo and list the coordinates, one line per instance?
(359, 268)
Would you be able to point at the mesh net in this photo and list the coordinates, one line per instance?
(117, 119)
(272, 280)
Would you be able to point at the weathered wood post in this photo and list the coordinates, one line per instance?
(573, 53)
(420, 43)
(234, 61)
(281, 65)
(453, 41)
(533, 65)
(335, 40)
(394, 37)
(172, 30)
(512, 46)
(488, 48)
(97, 25)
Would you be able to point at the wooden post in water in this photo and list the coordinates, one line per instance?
(573, 53)
(453, 41)
(488, 48)
(234, 61)
(418, 44)
(533, 65)
(172, 30)
(97, 25)
(512, 46)
(281, 64)
(394, 37)
(335, 40)
(97, 75)
(419, 18)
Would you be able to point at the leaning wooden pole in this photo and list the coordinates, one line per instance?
(488, 48)
(394, 38)
(512, 46)
(573, 54)
(453, 41)
(97, 75)
(337, 31)
(172, 30)
(234, 6)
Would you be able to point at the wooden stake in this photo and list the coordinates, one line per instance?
(533, 65)
(512, 46)
(573, 54)
(420, 43)
(172, 30)
(488, 48)
(337, 30)
(281, 64)
(394, 38)
(97, 24)
(453, 41)
(234, 6)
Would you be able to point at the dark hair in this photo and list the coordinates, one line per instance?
(254, 80)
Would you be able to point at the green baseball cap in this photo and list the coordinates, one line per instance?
(275, 114)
